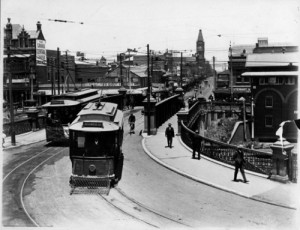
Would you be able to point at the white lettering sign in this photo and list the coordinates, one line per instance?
(41, 57)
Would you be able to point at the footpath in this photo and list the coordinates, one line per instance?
(205, 170)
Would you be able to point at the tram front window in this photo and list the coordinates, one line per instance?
(94, 144)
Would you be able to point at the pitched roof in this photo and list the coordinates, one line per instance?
(17, 29)
(200, 36)
(140, 71)
(272, 59)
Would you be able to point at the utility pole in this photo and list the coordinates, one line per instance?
(148, 91)
(52, 76)
(67, 71)
(12, 116)
(121, 77)
(231, 74)
(214, 74)
(58, 73)
(181, 69)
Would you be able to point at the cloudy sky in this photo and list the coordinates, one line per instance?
(111, 26)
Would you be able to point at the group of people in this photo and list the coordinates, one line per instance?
(198, 145)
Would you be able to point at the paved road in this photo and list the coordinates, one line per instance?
(148, 196)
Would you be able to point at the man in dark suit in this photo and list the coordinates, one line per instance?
(169, 134)
(239, 162)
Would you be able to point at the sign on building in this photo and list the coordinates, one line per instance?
(41, 57)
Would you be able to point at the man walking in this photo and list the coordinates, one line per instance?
(169, 134)
(196, 139)
(239, 162)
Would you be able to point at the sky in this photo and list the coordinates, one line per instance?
(112, 26)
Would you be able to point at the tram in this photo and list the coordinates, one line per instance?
(62, 110)
(95, 138)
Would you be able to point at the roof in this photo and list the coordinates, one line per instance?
(60, 103)
(226, 72)
(237, 50)
(271, 73)
(200, 36)
(104, 108)
(140, 71)
(94, 126)
(272, 59)
(17, 28)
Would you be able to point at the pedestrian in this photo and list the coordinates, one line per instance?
(3, 140)
(131, 121)
(239, 162)
(196, 139)
(169, 134)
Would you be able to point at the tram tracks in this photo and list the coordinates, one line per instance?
(17, 178)
(137, 210)
(131, 207)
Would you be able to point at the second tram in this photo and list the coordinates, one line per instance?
(62, 110)
(95, 138)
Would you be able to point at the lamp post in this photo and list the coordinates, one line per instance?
(243, 100)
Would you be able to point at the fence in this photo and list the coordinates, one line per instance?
(23, 126)
(257, 161)
(166, 109)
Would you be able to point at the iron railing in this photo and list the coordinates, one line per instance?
(166, 109)
(256, 161)
(23, 126)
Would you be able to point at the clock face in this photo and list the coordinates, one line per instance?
(200, 48)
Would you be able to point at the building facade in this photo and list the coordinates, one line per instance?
(24, 61)
(274, 87)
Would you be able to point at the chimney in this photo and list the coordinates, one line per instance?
(38, 26)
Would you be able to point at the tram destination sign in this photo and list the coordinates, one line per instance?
(90, 124)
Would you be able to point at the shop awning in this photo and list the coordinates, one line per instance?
(270, 73)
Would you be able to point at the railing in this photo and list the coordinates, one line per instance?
(257, 161)
(23, 126)
(166, 109)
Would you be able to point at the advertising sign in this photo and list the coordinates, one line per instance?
(41, 57)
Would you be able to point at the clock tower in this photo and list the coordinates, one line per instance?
(200, 49)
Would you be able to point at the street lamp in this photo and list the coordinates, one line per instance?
(243, 100)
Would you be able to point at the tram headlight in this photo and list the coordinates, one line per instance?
(92, 168)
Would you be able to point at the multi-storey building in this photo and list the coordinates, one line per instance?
(274, 87)
(24, 61)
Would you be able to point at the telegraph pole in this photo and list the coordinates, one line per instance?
(67, 70)
(12, 116)
(214, 74)
(148, 91)
(181, 69)
(58, 73)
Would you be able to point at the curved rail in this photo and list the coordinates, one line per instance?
(24, 182)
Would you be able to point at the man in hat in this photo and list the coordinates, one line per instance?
(169, 134)
(239, 162)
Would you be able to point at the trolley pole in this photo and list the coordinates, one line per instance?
(148, 91)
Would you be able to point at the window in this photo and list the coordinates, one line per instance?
(238, 79)
(263, 81)
(246, 79)
(290, 81)
(279, 81)
(80, 142)
(268, 121)
(269, 102)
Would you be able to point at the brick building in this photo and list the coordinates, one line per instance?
(24, 60)
(274, 87)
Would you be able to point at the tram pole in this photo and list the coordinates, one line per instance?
(12, 116)
(148, 91)
(58, 73)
